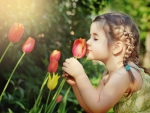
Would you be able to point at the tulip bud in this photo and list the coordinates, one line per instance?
(53, 65)
(55, 55)
(79, 48)
(59, 99)
(15, 33)
(52, 82)
(28, 45)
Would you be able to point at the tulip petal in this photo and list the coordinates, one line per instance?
(16, 32)
(28, 45)
(52, 82)
(59, 99)
(55, 55)
(79, 48)
(53, 65)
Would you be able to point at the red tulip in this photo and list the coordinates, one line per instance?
(55, 55)
(79, 48)
(53, 65)
(16, 31)
(28, 45)
(59, 99)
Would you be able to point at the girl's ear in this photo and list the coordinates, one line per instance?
(117, 47)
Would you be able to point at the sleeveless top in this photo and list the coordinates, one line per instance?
(139, 102)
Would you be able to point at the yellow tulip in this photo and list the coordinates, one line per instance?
(52, 82)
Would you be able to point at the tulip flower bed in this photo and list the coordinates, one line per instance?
(51, 77)
(52, 95)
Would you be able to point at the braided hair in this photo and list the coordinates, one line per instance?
(121, 27)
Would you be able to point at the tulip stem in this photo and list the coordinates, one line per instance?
(10, 43)
(53, 107)
(11, 76)
(52, 104)
(38, 98)
(47, 101)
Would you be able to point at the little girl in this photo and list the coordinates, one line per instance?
(125, 85)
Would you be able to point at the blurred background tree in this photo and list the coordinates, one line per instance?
(55, 24)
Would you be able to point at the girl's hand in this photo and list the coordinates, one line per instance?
(73, 67)
(70, 80)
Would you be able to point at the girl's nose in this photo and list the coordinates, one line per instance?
(88, 42)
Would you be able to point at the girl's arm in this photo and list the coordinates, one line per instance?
(97, 101)
(78, 96)
(101, 102)
(79, 99)
(70, 80)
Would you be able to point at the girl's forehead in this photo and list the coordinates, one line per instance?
(97, 27)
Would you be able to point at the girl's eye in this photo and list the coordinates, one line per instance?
(95, 39)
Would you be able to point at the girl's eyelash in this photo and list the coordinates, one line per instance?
(95, 39)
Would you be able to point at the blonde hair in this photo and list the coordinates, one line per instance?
(122, 27)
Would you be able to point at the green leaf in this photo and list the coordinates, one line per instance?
(9, 110)
(21, 91)
(63, 104)
(20, 104)
(40, 111)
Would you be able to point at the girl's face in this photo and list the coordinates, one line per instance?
(97, 45)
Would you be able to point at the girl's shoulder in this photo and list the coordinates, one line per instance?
(123, 75)
(133, 65)
(120, 73)
(136, 72)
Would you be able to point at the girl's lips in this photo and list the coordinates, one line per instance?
(87, 51)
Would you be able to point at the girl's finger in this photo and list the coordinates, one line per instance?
(65, 64)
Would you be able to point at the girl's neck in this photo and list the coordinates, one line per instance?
(113, 67)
